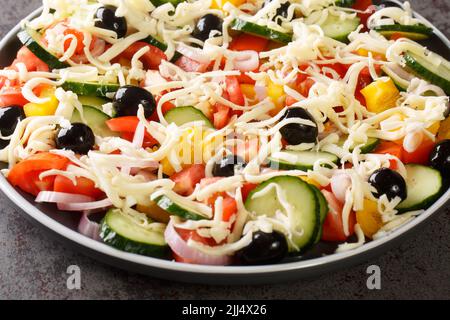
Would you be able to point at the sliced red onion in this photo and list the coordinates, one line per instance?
(98, 49)
(340, 182)
(89, 228)
(82, 206)
(61, 197)
(181, 248)
(195, 54)
(247, 60)
(261, 92)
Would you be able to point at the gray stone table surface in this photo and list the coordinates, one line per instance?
(32, 266)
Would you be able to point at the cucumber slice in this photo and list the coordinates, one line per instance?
(414, 32)
(120, 232)
(369, 146)
(158, 3)
(423, 187)
(90, 88)
(162, 46)
(301, 160)
(95, 102)
(182, 115)
(345, 3)
(436, 74)
(32, 40)
(323, 210)
(95, 119)
(261, 31)
(400, 82)
(170, 205)
(300, 197)
(338, 29)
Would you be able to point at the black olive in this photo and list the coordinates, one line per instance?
(388, 182)
(106, 19)
(128, 98)
(440, 158)
(205, 25)
(9, 118)
(265, 248)
(227, 166)
(296, 133)
(78, 137)
(282, 9)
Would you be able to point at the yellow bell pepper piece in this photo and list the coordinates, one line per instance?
(380, 95)
(434, 128)
(369, 219)
(218, 4)
(42, 109)
(311, 181)
(444, 130)
(365, 53)
(248, 90)
(276, 93)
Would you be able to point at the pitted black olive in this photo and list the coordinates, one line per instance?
(205, 25)
(128, 98)
(78, 137)
(9, 118)
(388, 182)
(296, 133)
(265, 248)
(107, 19)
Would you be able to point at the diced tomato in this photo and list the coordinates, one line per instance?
(245, 79)
(84, 186)
(248, 150)
(364, 5)
(12, 96)
(303, 83)
(364, 79)
(340, 69)
(151, 59)
(187, 179)
(248, 42)
(164, 108)
(25, 174)
(192, 234)
(388, 147)
(421, 155)
(33, 63)
(246, 189)
(190, 65)
(80, 38)
(289, 101)
(333, 227)
(234, 91)
(221, 115)
(127, 127)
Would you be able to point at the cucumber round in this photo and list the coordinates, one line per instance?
(260, 31)
(120, 232)
(337, 29)
(323, 210)
(304, 160)
(95, 119)
(400, 83)
(303, 201)
(90, 88)
(90, 101)
(369, 146)
(438, 75)
(345, 3)
(161, 45)
(423, 187)
(414, 32)
(182, 115)
(173, 208)
(32, 40)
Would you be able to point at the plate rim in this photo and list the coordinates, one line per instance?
(306, 266)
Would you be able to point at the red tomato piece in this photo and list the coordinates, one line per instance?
(234, 91)
(12, 96)
(25, 174)
(421, 155)
(33, 63)
(246, 189)
(388, 147)
(221, 115)
(248, 42)
(187, 179)
(151, 59)
(127, 127)
(84, 186)
(364, 5)
(80, 38)
(333, 227)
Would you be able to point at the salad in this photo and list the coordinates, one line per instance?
(224, 132)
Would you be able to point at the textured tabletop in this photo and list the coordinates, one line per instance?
(34, 266)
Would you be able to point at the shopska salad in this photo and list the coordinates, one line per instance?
(227, 132)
